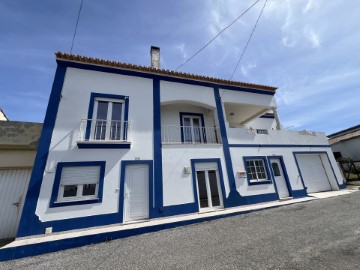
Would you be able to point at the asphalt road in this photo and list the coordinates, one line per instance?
(321, 234)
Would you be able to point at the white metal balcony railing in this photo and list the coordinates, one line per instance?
(104, 130)
(190, 135)
(272, 136)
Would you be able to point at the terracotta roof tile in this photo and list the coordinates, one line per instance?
(97, 61)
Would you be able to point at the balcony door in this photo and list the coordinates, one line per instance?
(108, 121)
(192, 129)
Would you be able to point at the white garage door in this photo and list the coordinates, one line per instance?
(313, 173)
(13, 185)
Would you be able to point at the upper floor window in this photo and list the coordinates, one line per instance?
(192, 128)
(107, 119)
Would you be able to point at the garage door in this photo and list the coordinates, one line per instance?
(313, 173)
(13, 185)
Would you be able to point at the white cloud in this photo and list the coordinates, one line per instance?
(245, 69)
(181, 49)
(311, 4)
(313, 38)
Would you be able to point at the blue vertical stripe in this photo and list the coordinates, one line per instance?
(234, 198)
(157, 147)
(29, 223)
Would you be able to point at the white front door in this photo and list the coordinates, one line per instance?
(136, 192)
(279, 178)
(208, 187)
(13, 186)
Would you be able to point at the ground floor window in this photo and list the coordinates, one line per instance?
(78, 182)
(256, 169)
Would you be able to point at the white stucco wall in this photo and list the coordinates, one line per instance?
(190, 94)
(348, 148)
(73, 107)
(170, 114)
(262, 123)
(178, 186)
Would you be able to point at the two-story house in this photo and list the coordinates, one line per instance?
(124, 143)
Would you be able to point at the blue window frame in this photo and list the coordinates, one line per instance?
(257, 170)
(107, 120)
(192, 127)
(78, 183)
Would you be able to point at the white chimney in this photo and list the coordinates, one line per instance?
(155, 57)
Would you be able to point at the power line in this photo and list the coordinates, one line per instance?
(247, 43)
(218, 34)
(77, 22)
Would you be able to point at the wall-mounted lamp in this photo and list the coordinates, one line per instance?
(187, 170)
(241, 173)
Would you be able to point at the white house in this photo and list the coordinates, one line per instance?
(123, 143)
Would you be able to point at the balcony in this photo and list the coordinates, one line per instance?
(190, 135)
(96, 133)
(247, 136)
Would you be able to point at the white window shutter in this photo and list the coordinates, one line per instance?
(80, 175)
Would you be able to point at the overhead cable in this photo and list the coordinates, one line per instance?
(247, 43)
(218, 34)
(76, 26)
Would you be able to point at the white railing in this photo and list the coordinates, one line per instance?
(190, 135)
(104, 130)
(273, 136)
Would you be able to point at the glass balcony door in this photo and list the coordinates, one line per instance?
(192, 129)
(108, 121)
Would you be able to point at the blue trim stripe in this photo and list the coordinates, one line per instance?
(157, 147)
(162, 77)
(56, 185)
(267, 116)
(234, 198)
(97, 145)
(29, 223)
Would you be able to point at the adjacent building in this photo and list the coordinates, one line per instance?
(346, 143)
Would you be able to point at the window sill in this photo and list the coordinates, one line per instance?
(75, 202)
(103, 145)
(263, 182)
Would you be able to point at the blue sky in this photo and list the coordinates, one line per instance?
(309, 49)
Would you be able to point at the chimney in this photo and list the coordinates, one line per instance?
(155, 57)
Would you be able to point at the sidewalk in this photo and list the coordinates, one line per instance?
(24, 247)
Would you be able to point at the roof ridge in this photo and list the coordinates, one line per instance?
(111, 63)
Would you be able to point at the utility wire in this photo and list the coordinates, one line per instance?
(76, 26)
(218, 34)
(247, 43)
